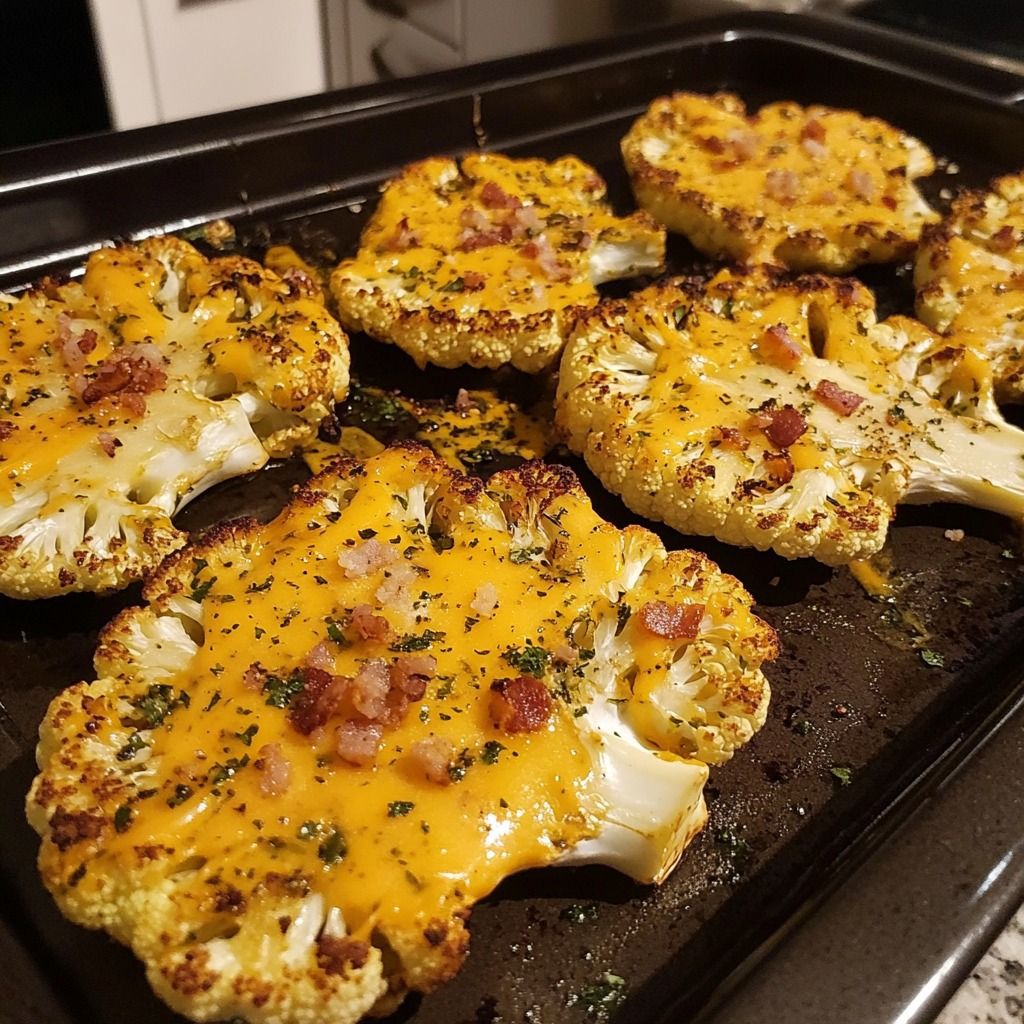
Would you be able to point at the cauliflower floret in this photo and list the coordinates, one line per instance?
(127, 393)
(285, 792)
(778, 414)
(969, 275)
(814, 188)
(477, 263)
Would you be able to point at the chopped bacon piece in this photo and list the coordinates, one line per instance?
(565, 654)
(671, 620)
(108, 442)
(485, 600)
(463, 403)
(254, 677)
(861, 184)
(7, 427)
(812, 129)
(367, 557)
(782, 184)
(783, 425)
(814, 149)
(320, 697)
(300, 282)
(1003, 240)
(322, 657)
(470, 241)
(433, 757)
(473, 280)
(409, 674)
(519, 705)
(369, 689)
(396, 592)
(368, 625)
(836, 398)
(404, 236)
(712, 143)
(357, 741)
(731, 438)
(539, 249)
(779, 466)
(778, 347)
(74, 347)
(494, 197)
(744, 143)
(274, 769)
(126, 375)
(525, 221)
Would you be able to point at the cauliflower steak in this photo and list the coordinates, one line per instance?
(969, 275)
(778, 413)
(320, 741)
(475, 263)
(126, 393)
(811, 188)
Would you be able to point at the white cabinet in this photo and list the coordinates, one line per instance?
(168, 59)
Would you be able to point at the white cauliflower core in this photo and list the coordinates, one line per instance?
(969, 275)
(285, 792)
(478, 262)
(779, 414)
(127, 393)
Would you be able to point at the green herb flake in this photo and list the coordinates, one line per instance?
(214, 701)
(492, 748)
(306, 831)
(122, 818)
(601, 997)
(530, 660)
(132, 747)
(280, 692)
(246, 737)
(843, 774)
(399, 808)
(181, 794)
(934, 659)
(577, 913)
(523, 556)
(414, 642)
(334, 846)
(200, 591)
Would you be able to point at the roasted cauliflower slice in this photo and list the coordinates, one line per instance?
(321, 740)
(969, 275)
(777, 413)
(475, 263)
(811, 188)
(128, 392)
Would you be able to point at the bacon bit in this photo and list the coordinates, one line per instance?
(254, 677)
(357, 741)
(474, 220)
(828, 197)
(744, 143)
(779, 467)
(519, 705)
(712, 143)
(368, 625)
(410, 674)
(108, 442)
(812, 130)
(274, 768)
(565, 654)
(471, 241)
(127, 375)
(464, 403)
(494, 197)
(404, 236)
(473, 280)
(370, 688)
(782, 184)
(321, 695)
(525, 221)
(671, 620)
(781, 426)
(7, 427)
(1003, 240)
(889, 202)
(433, 756)
(485, 600)
(861, 184)
(365, 558)
(814, 149)
(730, 438)
(336, 956)
(540, 249)
(778, 347)
(321, 657)
(836, 398)
(396, 593)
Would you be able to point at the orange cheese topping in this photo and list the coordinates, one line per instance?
(392, 849)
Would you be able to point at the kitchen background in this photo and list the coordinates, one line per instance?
(74, 67)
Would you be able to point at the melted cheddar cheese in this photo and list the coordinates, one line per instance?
(813, 188)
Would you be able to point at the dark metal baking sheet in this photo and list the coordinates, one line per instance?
(851, 689)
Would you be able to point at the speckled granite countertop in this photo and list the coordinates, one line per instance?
(994, 993)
